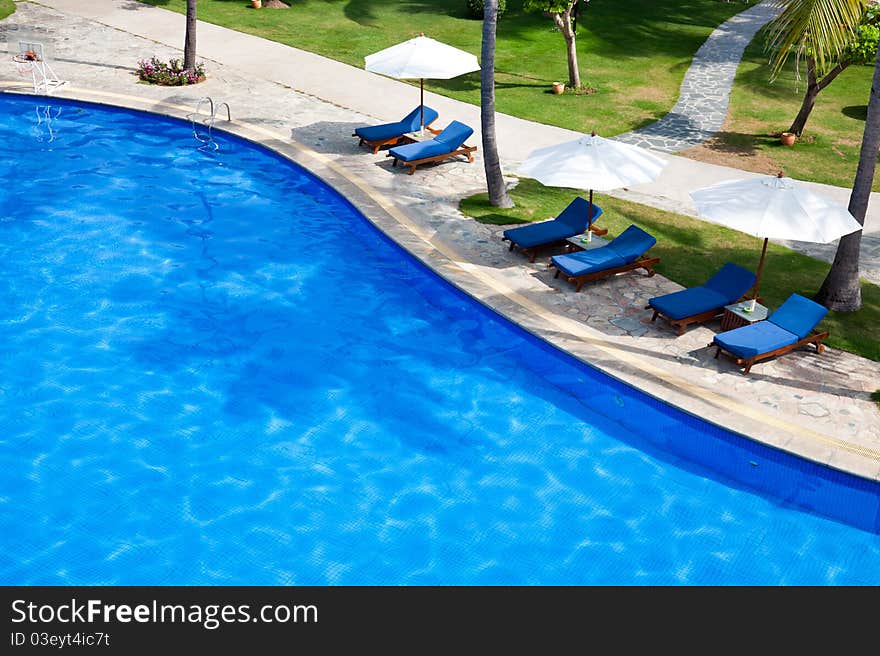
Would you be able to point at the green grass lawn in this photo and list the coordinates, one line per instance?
(6, 8)
(829, 149)
(691, 250)
(635, 54)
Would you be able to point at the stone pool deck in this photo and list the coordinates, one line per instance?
(815, 405)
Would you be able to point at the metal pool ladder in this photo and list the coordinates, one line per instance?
(206, 122)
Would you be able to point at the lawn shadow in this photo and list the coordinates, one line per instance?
(644, 30)
(363, 11)
(858, 112)
(132, 5)
(542, 87)
(502, 220)
(739, 143)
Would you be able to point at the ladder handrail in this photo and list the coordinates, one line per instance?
(228, 111)
(199, 105)
(207, 121)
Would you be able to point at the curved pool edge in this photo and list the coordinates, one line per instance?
(489, 287)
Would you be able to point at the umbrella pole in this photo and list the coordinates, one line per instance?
(590, 213)
(760, 267)
(421, 106)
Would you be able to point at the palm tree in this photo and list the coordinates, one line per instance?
(498, 196)
(841, 290)
(189, 44)
(819, 33)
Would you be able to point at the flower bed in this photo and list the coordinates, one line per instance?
(170, 74)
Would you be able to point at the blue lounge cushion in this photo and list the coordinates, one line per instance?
(537, 234)
(798, 315)
(409, 123)
(381, 132)
(570, 222)
(631, 243)
(623, 249)
(584, 262)
(419, 150)
(755, 339)
(790, 323)
(576, 215)
(452, 136)
(726, 286)
(731, 281)
(688, 302)
(413, 120)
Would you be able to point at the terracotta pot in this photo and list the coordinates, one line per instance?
(558, 87)
(787, 138)
(256, 4)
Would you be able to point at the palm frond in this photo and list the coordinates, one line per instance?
(821, 29)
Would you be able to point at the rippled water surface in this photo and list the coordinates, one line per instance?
(214, 371)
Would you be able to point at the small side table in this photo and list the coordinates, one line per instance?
(735, 315)
(580, 243)
(413, 137)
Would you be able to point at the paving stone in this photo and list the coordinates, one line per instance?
(814, 409)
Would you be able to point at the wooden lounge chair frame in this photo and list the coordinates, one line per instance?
(412, 164)
(681, 324)
(646, 263)
(532, 251)
(815, 337)
(376, 144)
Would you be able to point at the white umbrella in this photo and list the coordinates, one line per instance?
(592, 162)
(774, 207)
(420, 58)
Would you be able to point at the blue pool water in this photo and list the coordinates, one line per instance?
(215, 371)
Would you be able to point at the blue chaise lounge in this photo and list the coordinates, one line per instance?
(704, 302)
(792, 325)
(571, 221)
(625, 252)
(376, 136)
(448, 143)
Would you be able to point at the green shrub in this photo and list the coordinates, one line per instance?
(475, 8)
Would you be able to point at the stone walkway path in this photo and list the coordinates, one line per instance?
(705, 91)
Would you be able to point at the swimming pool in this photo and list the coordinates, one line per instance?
(216, 371)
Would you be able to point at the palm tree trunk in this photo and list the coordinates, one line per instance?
(189, 44)
(800, 121)
(498, 196)
(814, 86)
(841, 290)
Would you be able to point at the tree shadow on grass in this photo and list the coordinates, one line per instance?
(644, 30)
(133, 5)
(503, 219)
(362, 11)
(858, 112)
(741, 144)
